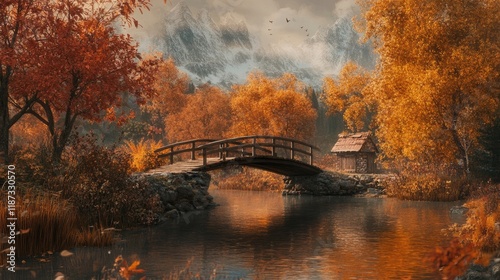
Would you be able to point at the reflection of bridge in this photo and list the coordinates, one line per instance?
(280, 155)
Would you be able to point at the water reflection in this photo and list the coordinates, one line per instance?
(264, 235)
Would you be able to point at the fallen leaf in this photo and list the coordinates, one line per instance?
(66, 253)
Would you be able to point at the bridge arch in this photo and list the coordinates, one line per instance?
(282, 155)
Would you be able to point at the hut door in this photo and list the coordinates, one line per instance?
(349, 164)
(371, 164)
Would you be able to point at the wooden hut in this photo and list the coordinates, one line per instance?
(355, 152)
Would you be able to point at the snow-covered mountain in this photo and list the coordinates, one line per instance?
(224, 52)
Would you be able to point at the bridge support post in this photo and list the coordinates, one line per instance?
(193, 146)
(292, 150)
(310, 155)
(274, 147)
(171, 155)
(204, 152)
(254, 141)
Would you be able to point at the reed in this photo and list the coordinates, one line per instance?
(248, 179)
(427, 186)
(46, 223)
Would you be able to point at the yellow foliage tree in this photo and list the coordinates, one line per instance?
(272, 107)
(437, 81)
(348, 96)
(169, 95)
(206, 115)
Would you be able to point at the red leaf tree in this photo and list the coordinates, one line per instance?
(79, 66)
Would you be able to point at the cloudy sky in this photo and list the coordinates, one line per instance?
(257, 13)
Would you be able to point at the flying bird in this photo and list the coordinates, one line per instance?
(302, 27)
(287, 20)
(269, 29)
(271, 21)
(306, 30)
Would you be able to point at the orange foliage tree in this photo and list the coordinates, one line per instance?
(272, 107)
(206, 115)
(80, 65)
(348, 96)
(437, 81)
(18, 16)
(169, 96)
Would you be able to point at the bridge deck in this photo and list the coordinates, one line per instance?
(184, 166)
(285, 156)
(281, 166)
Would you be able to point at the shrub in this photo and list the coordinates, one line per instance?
(102, 190)
(46, 222)
(143, 155)
(477, 239)
(432, 186)
(482, 227)
(243, 178)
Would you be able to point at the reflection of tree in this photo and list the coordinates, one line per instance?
(296, 237)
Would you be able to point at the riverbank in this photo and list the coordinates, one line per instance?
(177, 192)
(334, 183)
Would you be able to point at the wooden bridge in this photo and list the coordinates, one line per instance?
(280, 155)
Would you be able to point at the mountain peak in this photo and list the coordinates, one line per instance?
(181, 9)
(223, 51)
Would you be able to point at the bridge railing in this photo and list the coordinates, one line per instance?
(246, 146)
(180, 148)
(251, 146)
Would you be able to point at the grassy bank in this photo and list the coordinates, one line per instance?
(478, 240)
(242, 178)
(46, 223)
(60, 205)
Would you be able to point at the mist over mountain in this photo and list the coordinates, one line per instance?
(223, 51)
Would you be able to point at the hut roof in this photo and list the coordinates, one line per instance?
(355, 142)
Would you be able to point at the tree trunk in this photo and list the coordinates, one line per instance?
(60, 140)
(463, 151)
(4, 122)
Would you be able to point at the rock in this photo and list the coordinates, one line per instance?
(185, 192)
(169, 207)
(177, 191)
(461, 210)
(184, 205)
(332, 183)
(172, 214)
(495, 271)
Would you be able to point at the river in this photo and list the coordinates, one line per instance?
(264, 235)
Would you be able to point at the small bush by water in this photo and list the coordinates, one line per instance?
(46, 223)
(242, 178)
(427, 186)
(143, 156)
(68, 203)
(478, 239)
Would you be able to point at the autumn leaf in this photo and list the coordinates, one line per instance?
(128, 272)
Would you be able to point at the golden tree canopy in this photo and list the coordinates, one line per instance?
(272, 107)
(349, 96)
(206, 115)
(437, 81)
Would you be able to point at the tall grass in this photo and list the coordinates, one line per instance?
(427, 186)
(46, 222)
(242, 178)
(142, 153)
(478, 239)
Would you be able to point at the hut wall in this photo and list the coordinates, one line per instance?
(362, 163)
